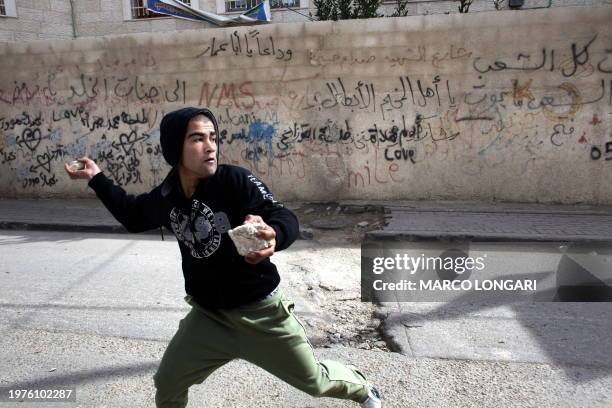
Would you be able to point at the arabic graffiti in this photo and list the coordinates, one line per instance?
(352, 117)
(93, 122)
(561, 102)
(362, 96)
(87, 89)
(560, 133)
(545, 59)
(421, 53)
(244, 45)
(36, 144)
(396, 142)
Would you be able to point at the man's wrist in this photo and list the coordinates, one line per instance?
(97, 180)
(94, 175)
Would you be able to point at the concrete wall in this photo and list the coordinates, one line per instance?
(490, 106)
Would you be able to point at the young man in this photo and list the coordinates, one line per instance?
(237, 309)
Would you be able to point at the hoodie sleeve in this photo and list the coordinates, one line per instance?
(260, 201)
(136, 213)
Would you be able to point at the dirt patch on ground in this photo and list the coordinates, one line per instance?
(338, 222)
(322, 271)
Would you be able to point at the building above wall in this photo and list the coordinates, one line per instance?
(27, 20)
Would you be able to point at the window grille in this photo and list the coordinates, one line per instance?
(140, 11)
(2, 8)
(244, 5)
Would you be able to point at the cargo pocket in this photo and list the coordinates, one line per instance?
(340, 372)
(288, 307)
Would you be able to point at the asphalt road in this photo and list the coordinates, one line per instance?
(95, 312)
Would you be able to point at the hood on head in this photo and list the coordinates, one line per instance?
(172, 132)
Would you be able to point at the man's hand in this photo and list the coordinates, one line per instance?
(90, 170)
(268, 234)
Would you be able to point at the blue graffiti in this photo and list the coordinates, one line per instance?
(77, 149)
(261, 133)
(23, 172)
(11, 140)
(154, 136)
(56, 135)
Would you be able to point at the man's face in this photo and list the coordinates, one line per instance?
(200, 148)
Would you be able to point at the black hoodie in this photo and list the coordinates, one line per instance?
(215, 274)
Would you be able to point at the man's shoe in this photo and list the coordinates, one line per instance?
(374, 399)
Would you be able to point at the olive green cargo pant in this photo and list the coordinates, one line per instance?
(265, 333)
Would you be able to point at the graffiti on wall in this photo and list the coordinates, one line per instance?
(531, 105)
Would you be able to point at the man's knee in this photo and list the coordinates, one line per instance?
(159, 380)
(164, 377)
(167, 395)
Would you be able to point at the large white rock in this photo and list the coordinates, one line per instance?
(246, 240)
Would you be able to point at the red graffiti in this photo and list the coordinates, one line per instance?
(228, 95)
(595, 120)
(378, 173)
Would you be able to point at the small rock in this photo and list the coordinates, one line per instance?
(309, 211)
(353, 209)
(245, 238)
(329, 288)
(363, 224)
(306, 234)
(381, 344)
(344, 299)
(330, 223)
(374, 323)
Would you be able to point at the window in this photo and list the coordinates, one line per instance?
(7, 8)
(136, 10)
(284, 3)
(140, 11)
(244, 5)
